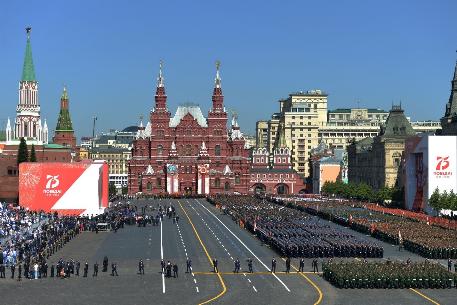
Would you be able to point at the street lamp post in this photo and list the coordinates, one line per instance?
(93, 136)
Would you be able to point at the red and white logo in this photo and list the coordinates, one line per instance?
(53, 181)
(443, 163)
(203, 169)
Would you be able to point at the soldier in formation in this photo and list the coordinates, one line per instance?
(141, 267)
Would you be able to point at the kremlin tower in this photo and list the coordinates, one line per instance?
(64, 134)
(28, 123)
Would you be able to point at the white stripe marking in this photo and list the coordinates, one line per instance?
(247, 248)
(253, 287)
(161, 256)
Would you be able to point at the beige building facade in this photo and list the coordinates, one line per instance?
(377, 161)
(307, 120)
(117, 159)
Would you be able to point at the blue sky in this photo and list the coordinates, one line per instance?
(108, 52)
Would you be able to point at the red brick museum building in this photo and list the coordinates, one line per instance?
(188, 154)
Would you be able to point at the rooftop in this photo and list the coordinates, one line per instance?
(348, 110)
(55, 146)
(316, 92)
(193, 110)
(130, 129)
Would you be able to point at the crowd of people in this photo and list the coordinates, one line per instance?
(28, 250)
(388, 275)
(15, 220)
(291, 232)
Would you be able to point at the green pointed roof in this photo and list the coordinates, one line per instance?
(64, 120)
(397, 125)
(28, 71)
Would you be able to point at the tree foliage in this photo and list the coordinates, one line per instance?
(22, 152)
(443, 200)
(362, 191)
(32, 154)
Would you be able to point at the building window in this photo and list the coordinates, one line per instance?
(227, 186)
(160, 133)
(159, 150)
(217, 150)
(149, 186)
(188, 150)
(237, 179)
(159, 182)
(217, 182)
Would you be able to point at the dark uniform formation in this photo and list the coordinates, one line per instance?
(294, 233)
(388, 274)
(430, 241)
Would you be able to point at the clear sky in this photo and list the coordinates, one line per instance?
(107, 52)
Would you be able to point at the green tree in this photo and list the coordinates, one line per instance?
(444, 197)
(384, 194)
(32, 154)
(398, 194)
(327, 187)
(112, 189)
(22, 153)
(435, 199)
(350, 190)
(451, 200)
(364, 192)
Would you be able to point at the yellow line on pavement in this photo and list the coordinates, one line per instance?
(424, 296)
(319, 291)
(224, 288)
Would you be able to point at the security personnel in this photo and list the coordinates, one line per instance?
(114, 269)
(95, 269)
(169, 267)
(273, 265)
(288, 265)
(141, 267)
(86, 269)
(13, 269)
(237, 266)
(175, 270)
(162, 264)
(78, 265)
(250, 265)
(215, 269)
(52, 270)
(19, 276)
(188, 266)
(302, 265)
(2, 271)
(105, 264)
(315, 267)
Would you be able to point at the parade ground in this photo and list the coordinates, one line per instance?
(202, 234)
